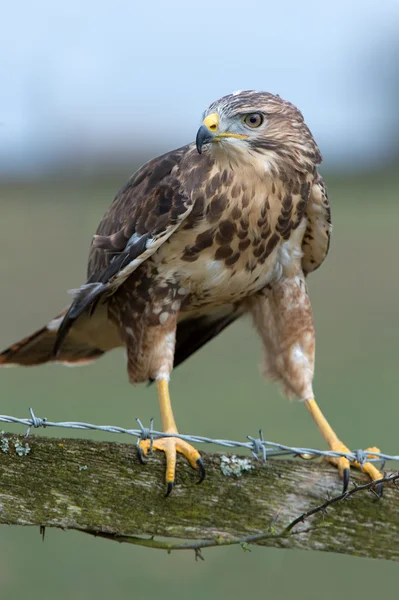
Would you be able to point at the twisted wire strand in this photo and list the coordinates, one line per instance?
(257, 446)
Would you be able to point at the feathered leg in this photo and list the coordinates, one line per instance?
(150, 350)
(283, 317)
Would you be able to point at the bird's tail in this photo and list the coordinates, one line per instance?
(38, 348)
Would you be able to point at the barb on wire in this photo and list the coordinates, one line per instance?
(36, 422)
(255, 445)
(258, 446)
(146, 433)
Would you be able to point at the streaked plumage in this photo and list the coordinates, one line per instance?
(195, 240)
(229, 232)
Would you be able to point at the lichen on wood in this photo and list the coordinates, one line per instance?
(101, 488)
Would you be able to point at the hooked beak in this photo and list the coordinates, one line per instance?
(204, 136)
(209, 132)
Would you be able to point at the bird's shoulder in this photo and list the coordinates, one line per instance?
(152, 202)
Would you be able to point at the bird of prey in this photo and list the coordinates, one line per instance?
(198, 237)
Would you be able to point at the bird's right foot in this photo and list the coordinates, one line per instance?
(172, 445)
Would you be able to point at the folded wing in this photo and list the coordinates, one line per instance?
(144, 214)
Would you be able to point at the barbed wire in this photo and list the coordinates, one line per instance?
(258, 446)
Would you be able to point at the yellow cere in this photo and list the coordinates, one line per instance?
(212, 123)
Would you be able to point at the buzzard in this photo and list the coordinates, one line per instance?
(198, 237)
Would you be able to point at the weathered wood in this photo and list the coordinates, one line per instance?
(101, 487)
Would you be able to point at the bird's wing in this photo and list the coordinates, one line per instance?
(144, 214)
(316, 240)
(194, 332)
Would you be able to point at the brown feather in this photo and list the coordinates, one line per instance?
(190, 235)
(145, 212)
(316, 241)
(192, 334)
(38, 349)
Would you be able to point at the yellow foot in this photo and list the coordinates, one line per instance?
(344, 465)
(172, 445)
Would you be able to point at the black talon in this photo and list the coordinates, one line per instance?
(380, 490)
(170, 488)
(201, 469)
(346, 477)
(140, 455)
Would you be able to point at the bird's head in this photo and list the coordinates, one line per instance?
(258, 127)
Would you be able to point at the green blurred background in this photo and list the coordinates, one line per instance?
(91, 90)
(44, 231)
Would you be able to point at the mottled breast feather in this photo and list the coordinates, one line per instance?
(316, 241)
(143, 215)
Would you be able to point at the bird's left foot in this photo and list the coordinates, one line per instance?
(172, 445)
(343, 465)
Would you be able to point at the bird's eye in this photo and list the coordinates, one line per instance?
(253, 120)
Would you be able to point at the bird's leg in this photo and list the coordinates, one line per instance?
(283, 317)
(150, 354)
(335, 444)
(171, 445)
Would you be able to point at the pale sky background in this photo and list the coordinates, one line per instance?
(86, 79)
